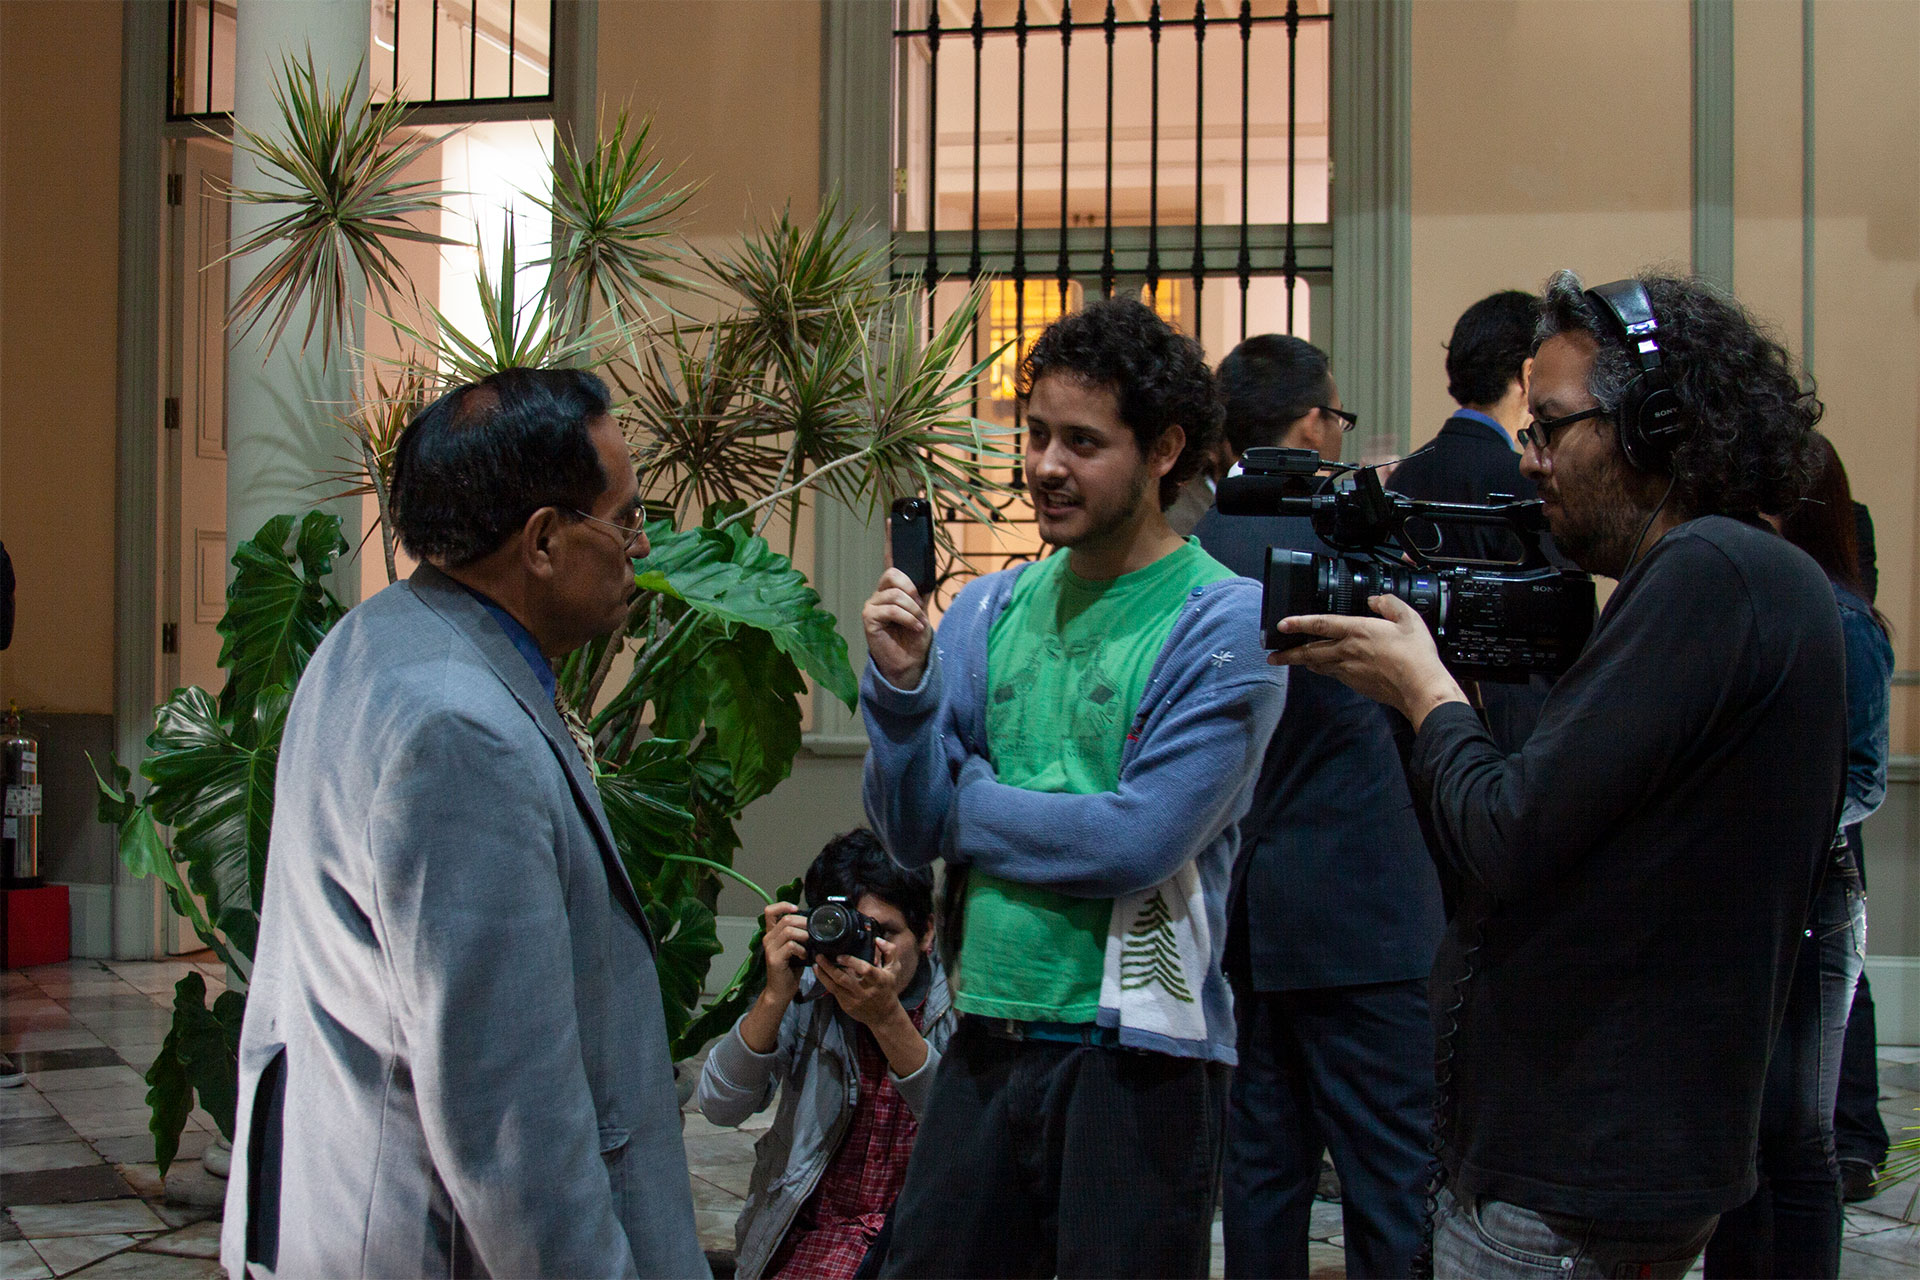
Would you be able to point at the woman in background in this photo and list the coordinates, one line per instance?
(1792, 1226)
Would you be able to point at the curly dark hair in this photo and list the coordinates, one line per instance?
(1751, 447)
(1158, 374)
(1491, 341)
(856, 864)
(476, 463)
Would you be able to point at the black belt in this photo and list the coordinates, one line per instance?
(1087, 1033)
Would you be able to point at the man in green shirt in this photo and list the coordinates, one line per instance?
(1079, 743)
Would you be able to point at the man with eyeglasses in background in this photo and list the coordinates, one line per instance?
(1333, 916)
(1635, 879)
(454, 1059)
(1476, 456)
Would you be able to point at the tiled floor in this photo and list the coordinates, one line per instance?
(81, 1193)
(82, 1196)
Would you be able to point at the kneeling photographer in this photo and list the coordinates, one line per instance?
(849, 1028)
(1636, 879)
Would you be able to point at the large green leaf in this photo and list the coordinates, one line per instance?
(209, 1049)
(647, 801)
(215, 788)
(727, 1007)
(734, 577)
(753, 708)
(278, 609)
(201, 1055)
(686, 943)
(169, 1095)
(714, 807)
(145, 854)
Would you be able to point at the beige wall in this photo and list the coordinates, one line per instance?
(734, 90)
(1521, 165)
(1518, 169)
(1866, 349)
(59, 231)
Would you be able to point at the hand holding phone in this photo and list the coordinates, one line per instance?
(910, 531)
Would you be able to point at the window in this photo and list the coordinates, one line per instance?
(438, 53)
(1177, 151)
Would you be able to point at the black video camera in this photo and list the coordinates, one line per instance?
(1492, 620)
(834, 928)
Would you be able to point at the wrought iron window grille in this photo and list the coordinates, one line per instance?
(507, 47)
(1077, 252)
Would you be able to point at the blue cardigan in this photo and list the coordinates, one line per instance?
(1186, 775)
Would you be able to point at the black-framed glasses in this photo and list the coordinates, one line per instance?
(629, 534)
(1348, 421)
(1540, 432)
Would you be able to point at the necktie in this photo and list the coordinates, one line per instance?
(577, 729)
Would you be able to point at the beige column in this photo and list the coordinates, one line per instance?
(281, 407)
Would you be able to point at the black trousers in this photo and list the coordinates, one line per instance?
(1343, 1069)
(1038, 1158)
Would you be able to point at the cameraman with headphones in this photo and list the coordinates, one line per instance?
(1637, 877)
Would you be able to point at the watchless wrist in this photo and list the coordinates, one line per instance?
(1423, 705)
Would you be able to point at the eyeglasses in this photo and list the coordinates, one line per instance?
(1348, 421)
(629, 534)
(1540, 432)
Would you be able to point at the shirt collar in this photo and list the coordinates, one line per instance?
(1474, 415)
(522, 640)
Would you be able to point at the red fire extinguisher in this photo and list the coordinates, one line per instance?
(20, 814)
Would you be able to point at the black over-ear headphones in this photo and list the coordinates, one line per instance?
(1651, 424)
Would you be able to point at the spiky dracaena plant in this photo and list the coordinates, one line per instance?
(337, 167)
(614, 210)
(374, 429)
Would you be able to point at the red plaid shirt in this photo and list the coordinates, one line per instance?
(830, 1234)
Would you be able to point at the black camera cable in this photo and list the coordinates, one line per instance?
(1653, 515)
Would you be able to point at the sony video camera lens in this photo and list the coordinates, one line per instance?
(1487, 624)
(1300, 582)
(834, 928)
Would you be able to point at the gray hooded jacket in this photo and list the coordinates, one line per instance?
(815, 1059)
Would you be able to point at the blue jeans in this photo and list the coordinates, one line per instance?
(1792, 1225)
(1493, 1240)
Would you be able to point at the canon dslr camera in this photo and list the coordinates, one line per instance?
(834, 928)
(1491, 620)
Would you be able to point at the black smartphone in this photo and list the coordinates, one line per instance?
(910, 529)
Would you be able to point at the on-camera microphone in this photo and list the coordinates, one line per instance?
(1248, 494)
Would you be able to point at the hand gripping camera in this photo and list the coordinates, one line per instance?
(834, 928)
(1492, 620)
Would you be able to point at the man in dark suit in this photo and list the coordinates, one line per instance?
(1475, 457)
(1333, 919)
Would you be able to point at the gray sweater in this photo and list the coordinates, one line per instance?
(817, 1071)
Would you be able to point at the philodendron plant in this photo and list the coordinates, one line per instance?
(817, 378)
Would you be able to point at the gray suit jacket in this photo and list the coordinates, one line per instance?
(454, 1060)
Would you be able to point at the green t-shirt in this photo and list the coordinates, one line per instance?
(1067, 665)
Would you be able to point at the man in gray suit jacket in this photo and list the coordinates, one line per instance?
(454, 1059)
